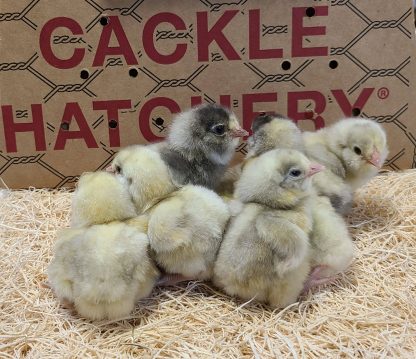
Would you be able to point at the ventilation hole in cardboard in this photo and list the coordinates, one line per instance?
(159, 121)
(133, 72)
(65, 126)
(356, 111)
(333, 64)
(310, 11)
(112, 123)
(104, 20)
(286, 65)
(84, 74)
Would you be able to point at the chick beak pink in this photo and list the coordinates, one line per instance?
(315, 168)
(110, 169)
(238, 132)
(375, 159)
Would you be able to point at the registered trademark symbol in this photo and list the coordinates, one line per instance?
(383, 93)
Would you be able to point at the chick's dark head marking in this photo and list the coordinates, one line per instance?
(265, 118)
(272, 131)
(279, 178)
(211, 129)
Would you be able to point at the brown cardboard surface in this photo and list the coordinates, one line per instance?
(46, 44)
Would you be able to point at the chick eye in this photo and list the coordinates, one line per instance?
(295, 173)
(218, 130)
(357, 150)
(118, 169)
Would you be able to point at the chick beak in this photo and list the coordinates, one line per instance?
(314, 168)
(111, 169)
(238, 132)
(375, 159)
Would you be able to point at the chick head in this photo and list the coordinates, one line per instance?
(93, 193)
(278, 178)
(147, 176)
(274, 131)
(211, 129)
(361, 144)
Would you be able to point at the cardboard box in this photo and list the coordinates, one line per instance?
(81, 78)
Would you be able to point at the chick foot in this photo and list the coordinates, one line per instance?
(317, 278)
(172, 279)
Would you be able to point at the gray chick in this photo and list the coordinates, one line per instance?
(200, 145)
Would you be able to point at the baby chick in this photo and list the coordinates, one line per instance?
(332, 248)
(103, 269)
(353, 150)
(101, 197)
(146, 174)
(200, 144)
(265, 251)
(184, 226)
(185, 231)
(270, 131)
(331, 243)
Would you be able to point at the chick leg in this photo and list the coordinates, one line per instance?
(172, 279)
(66, 304)
(317, 277)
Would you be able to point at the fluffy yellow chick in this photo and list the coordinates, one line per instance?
(101, 197)
(270, 131)
(352, 150)
(265, 251)
(104, 269)
(331, 244)
(184, 226)
(185, 231)
(146, 174)
(332, 249)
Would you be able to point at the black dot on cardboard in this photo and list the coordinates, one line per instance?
(84, 74)
(133, 72)
(286, 65)
(104, 20)
(112, 123)
(333, 64)
(310, 11)
(356, 111)
(65, 126)
(159, 121)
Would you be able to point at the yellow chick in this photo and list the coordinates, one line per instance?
(352, 150)
(265, 251)
(331, 244)
(104, 269)
(101, 197)
(146, 174)
(270, 131)
(185, 231)
(184, 226)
